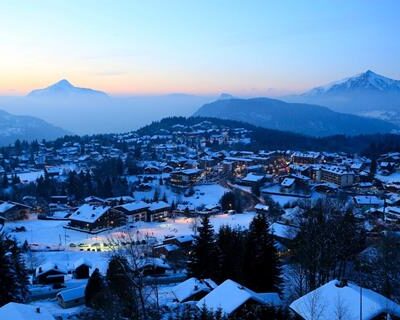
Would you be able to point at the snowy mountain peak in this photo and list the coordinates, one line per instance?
(366, 81)
(64, 83)
(64, 89)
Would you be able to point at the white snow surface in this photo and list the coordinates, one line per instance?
(19, 311)
(329, 300)
(230, 295)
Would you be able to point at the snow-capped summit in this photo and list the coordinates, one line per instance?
(64, 89)
(367, 94)
(366, 81)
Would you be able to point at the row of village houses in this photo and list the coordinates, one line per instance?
(337, 299)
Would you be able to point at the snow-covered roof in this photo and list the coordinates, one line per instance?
(93, 198)
(134, 206)
(329, 300)
(48, 266)
(184, 238)
(228, 297)
(251, 177)
(368, 200)
(5, 206)
(189, 171)
(81, 262)
(192, 286)
(158, 205)
(19, 311)
(152, 262)
(89, 213)
(168, 247)
(284, 231)
(72, 294)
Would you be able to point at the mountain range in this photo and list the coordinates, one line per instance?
(368, 94)
(295, 117)
(27, 128)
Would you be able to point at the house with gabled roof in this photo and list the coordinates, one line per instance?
(230, 297)
(344, 300)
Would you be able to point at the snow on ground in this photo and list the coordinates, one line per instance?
(55, 309)
(204, 194)
(51, 233)
(32, 176)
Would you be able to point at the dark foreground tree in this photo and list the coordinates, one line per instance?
(13, 273)
(95, 290)
(262, 268)
(203, 261)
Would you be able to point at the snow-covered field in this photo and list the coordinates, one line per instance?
(51, 233)
(204, 194)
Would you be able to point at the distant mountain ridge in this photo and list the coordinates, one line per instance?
(64, 89)
(366, 81)
(27, 128)
(301, 118)
(368, 94)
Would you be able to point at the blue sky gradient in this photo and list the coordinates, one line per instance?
(202, 47)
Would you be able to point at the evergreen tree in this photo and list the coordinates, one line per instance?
(94, 289)
(231, 248)
(107, 188)
(203, 261)
(5, 181)
(13, 274)
(227, 201)
(262, 266)
(120, 284)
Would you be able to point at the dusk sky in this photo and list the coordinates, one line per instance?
(201, 47)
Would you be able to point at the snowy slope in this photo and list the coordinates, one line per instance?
(368, 80)
(14, 127)
(368, 94)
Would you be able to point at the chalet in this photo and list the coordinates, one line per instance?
(284, 233)
(49, 273)
(184, 241)
(252, 179)
(348, 299)
(90, 217)
(231, 297)
(81, 269)
(72, 297)
(134, 211)
(13, 210)
(169, 251)
(185, 178)
(93, 200)
(20, 311)
(193, 289)
(152, 266)
(158, 211)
